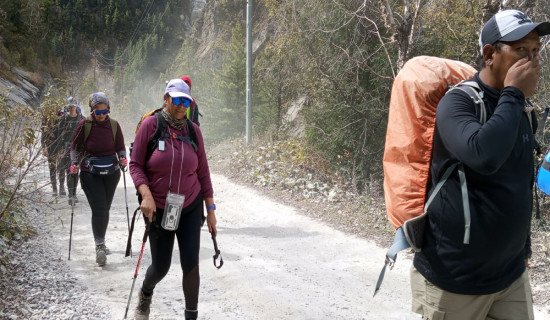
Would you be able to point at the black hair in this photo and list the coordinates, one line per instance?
(498, 46)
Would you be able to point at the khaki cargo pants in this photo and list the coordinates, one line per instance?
(434, 303)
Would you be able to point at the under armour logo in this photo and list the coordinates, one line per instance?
(523, 18)
(525, 137)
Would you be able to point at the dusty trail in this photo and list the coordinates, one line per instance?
(278, 264)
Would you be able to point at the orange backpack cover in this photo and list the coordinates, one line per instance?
(416, 91)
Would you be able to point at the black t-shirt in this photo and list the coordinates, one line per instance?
(498, 161)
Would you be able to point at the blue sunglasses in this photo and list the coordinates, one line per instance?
(103, 112)
(179, 100)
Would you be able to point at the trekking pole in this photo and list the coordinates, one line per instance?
(126, 200)
(145, 234)
(72, 215)
(126, 197)
(71, 233)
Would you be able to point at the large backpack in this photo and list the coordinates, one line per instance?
(416, 92)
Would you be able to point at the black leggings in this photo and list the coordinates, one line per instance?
(161, 242)
(53, 166)
(99, 190)
(65, 169)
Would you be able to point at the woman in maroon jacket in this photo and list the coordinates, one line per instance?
(173, 182)
(98, 151)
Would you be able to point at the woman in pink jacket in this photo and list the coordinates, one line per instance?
(173, 181)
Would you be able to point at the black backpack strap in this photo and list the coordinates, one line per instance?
(192, 135)
(196, 114)
(157, 135)
(160, 134)
(188, 140)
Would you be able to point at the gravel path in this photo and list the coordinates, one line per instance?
(42, 285)
(279, 264)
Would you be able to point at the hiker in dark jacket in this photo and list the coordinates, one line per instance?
(98, 152)
(192, 112)
(65, 132)
(485, 278)
(50, 145)
(173, 170)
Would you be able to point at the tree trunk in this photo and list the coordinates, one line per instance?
(403, 31)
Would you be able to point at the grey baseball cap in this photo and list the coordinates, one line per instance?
(510, 25)
(178, 88)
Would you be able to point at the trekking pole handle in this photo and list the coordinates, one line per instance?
(217, 252)
(122, 167)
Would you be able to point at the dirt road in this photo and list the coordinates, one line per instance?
(279, 264)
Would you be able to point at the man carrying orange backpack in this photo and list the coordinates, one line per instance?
(476, 269)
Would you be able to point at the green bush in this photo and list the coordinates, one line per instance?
(20, 157)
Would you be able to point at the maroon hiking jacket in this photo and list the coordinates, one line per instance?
(178, 168)
(99, 143)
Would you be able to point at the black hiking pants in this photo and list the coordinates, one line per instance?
(65, 169)
(161, 242)
(53, 167)
(99, 190)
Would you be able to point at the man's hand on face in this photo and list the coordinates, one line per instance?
(524, 75)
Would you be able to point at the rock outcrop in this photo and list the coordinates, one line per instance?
(22, 87)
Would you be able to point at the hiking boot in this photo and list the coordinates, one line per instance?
(62, 192)
(101, 254)
(73, 200)
(106, 249)
(191, 315)
(142, 309)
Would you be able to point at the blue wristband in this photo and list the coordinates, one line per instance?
(212, 207)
